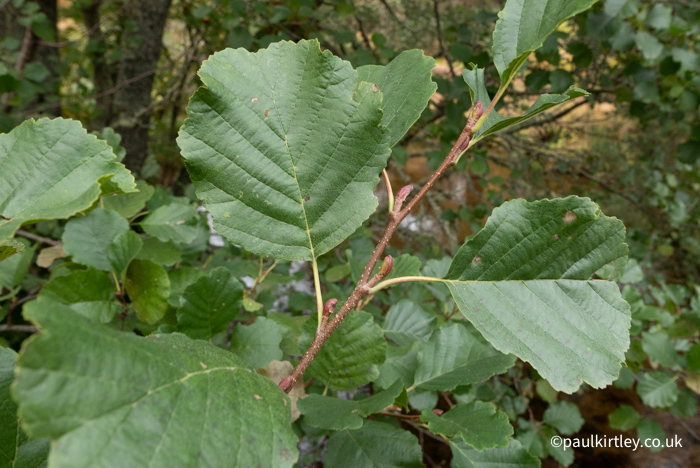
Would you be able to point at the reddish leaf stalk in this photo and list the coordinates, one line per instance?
(365, 284)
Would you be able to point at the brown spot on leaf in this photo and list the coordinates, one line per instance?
(256, 396)
(476, 260)
(204, 366)
(267, 112)
(254, 99)
(555, 236)
(375, 88)
(307, 198)
(569, 217)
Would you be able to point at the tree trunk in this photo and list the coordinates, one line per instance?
(102, 70)
(141, 49)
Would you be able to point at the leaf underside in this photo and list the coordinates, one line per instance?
(524, 282)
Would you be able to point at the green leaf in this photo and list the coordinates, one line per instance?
(210, 304)
(277, 181)
(88, 239)
(123, 249)
(350, 356)
(564, 455)
(478, 423)
(512, 456)
(168, 223)
(292, 327)
(14, 269)
(259, 343)
(693, 358)
(454, 357)
(406, 85)
(162, 253)
(407, 322)
(52, 169)
(564, 416)
(686, 406)
(561, 81)
(16, 449)
(495, 122)
(658, 389)
(650, 47)
(660, 347)
(648, 429)
(129, 204)
(624, 418)
(180, 279)
(159, 401)
(400, 364)
(376, 444)
(524, 282)
(148, 287)
(88, 292)
(10, 247)
(522, 28)
(336, 414)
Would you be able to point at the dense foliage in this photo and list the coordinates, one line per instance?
(159, 288)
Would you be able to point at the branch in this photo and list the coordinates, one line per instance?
(19, 328)
(34, 237)
(443, 52)
(366, 283)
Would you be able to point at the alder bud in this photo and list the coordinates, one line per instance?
(401, 197)
(329, 307)
(478, 110)
(286, 384)
(437, 412)
(387, 265)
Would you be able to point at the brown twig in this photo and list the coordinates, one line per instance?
(443, 51)
(34, 237)
(19, 328)
(366, 283)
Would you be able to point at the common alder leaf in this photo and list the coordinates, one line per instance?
(512, 456)
(524, 282)
(10, 247)
(118, 399)
(350, 356)
(53, 169)
(375, 444)
(148, 287)
(284, 147)
(16, 449)
(88, 292)
(522, 28)
(259, 343)
(407, 322)
(88, 239)
(333, 413)
(209, 304)
(478, 423)
(406, 87)
(454, 357)
(658, 389)
(495, 122)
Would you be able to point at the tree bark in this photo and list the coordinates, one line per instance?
(141, 50)
(102, 70)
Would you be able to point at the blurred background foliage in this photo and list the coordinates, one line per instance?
(126, 68)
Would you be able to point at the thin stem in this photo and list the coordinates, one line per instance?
(403, 279)
(366, 283)
(389, 192)
(34, 237)
(317, 287)
(19, 328)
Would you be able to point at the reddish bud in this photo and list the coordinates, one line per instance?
(478, 110)
(387, 265)
(206, 21)
(438, 412)
(463, 147)
(403, 193)
(329, 307)
(286, 384)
